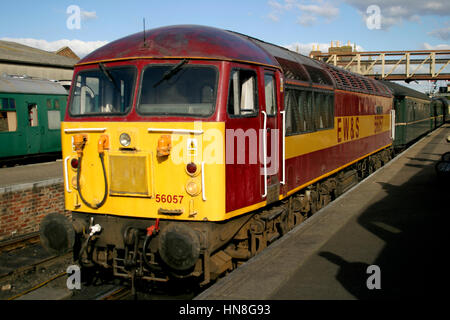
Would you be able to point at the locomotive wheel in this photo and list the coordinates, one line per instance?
(443, 169)
(446, 157)
(57, 234)
(179, 247)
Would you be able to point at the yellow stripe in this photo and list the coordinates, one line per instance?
(412, 122)
(362, 127)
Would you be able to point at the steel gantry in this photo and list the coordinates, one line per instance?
(410, 65)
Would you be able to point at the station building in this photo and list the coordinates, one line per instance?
(18, 59)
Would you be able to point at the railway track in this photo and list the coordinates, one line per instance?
(18, 243)
(50, 273)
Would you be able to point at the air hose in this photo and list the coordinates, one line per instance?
(101, 203)
(150, 231)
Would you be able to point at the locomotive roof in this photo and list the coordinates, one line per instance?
(26, 85)
(398, 90)
(182, 41)
(192, 41)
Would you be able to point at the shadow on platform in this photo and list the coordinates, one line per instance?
(413, 221)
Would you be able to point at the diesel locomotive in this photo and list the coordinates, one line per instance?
(188, 149)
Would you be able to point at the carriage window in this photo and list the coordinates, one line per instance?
(49, 103)
(103, 91)
(242, 97)
(8, 121)
(292, 112)
(33, 115)
(304, 116)
(179, 89)
(269, 85)
(54, 119)
(56, 104)
(318, 116)
(7, 104)
(306, 109)
(324, 111)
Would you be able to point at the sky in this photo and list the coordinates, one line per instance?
(403, 24)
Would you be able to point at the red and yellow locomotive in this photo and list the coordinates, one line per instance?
(188, 149)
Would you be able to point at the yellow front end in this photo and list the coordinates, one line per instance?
(147, 174)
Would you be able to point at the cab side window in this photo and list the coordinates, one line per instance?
(242, 96)
(270, 94)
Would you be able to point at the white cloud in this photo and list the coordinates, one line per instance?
(308, 12)
(81, 48)
(88, 15)
(325, 10)
(428, 46)
(306, 20)
(396, 11)
(442, 33)
(273, 17)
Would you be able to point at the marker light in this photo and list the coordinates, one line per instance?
(74, 163)
(125, 140)
(191, 168)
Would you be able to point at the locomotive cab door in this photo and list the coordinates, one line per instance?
(271, 138)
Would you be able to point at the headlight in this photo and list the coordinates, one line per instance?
(125, 140)
(192, 188)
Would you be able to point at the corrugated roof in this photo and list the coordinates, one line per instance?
(18, 53)
(26, 85)
(399, 90)
(350, 81)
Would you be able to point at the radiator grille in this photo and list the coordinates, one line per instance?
(129, 175)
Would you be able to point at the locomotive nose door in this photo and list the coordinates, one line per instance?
(271, 137)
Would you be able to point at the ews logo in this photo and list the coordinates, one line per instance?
(378, 124)
(347, 129)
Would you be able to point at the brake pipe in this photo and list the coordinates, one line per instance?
(150, 232)
(103, 143)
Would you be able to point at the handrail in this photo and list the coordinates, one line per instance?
(66, 174)
(265, 152)
(283, 180)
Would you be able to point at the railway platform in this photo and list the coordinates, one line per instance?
(32, 173)
(388, 233)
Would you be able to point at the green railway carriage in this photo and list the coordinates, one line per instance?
(31, 112)
(413, 114)
(439, 108)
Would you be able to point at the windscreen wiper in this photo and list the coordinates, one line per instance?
(108, 75)
(170, 73)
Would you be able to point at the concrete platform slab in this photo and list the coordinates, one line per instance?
(32, 173)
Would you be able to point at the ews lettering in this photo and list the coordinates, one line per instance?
(347, 129)
(378, 124)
